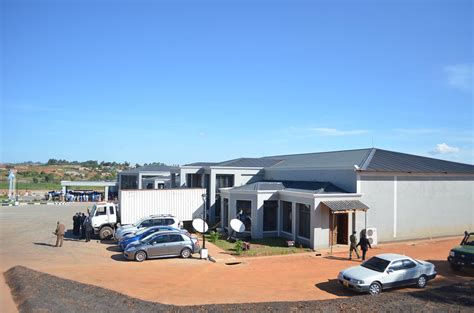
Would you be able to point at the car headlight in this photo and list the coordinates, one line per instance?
(357, 281)
(130, 249)
(451, 253)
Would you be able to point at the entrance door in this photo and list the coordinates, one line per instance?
(340, 228)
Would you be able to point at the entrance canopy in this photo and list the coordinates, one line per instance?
(345, 206)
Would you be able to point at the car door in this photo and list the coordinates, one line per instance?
(412, 271)
(158, 246)
(176, 244)
(395, 274)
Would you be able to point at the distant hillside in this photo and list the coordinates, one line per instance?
(47, 176)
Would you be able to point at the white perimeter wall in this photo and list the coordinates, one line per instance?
(410, 206)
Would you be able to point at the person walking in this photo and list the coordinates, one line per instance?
(75, 228)
(353, 245)
(364, 245)
(59, 232)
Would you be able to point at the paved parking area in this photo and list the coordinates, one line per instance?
(26, 239)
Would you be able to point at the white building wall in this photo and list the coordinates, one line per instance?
(418, 206)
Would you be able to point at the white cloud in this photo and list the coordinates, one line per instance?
(322, 131)
(460, 76)
(443, 148)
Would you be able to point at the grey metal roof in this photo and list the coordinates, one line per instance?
(250, 162)
(345, 205)
(149, 168)
(334, 159)
(390, 161)
(301, 186)
(202, 164)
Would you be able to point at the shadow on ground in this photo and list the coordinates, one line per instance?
(333, 286)
(44, 244)
(118, 257)
(338, 258)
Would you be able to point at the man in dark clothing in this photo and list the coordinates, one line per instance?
(353, 245)
(364, 245)
(75, 229)
(88, 228)
(83, 228)
(59, 232)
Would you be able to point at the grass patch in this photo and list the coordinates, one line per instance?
(261, 247)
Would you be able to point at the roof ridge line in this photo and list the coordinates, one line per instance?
(369, 158)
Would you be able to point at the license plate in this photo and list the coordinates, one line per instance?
(345, 283)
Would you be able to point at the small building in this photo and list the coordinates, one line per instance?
(146, 177)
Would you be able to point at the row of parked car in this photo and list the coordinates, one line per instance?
(156, 236)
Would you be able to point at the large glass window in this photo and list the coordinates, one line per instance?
(194, 180)
(224, 181)
(244, 213)
(225, 212)
(287, 216)
(270, 215)
(129, 182)
(304, 219)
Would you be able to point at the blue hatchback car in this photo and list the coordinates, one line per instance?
(142, 233)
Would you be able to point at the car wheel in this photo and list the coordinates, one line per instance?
(421, 282)
(106, 233)
(375, 288)
(140, 256)
(185, 253)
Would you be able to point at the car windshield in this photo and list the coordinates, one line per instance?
(139, 221)
(143, 230)
(376, 264)
(94, 208)
(469, 240)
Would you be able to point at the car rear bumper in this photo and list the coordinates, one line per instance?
(432, 276)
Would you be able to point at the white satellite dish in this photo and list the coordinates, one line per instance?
(199, 225)
(237, 225)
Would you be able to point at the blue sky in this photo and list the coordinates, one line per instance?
(184, 81)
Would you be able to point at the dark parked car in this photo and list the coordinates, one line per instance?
(463, 255)
(162, 244)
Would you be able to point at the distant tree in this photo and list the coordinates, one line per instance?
(35, 180)
(137, 165)
(49, 178)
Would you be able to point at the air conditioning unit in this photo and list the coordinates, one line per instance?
(371, 233)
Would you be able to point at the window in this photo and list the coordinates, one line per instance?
(111, 210)
(175, 238)
(217, 207)
(168, 221)
(157, 222)
(270, 215)
(304, 218)
(101, 210)
(225, 212)
(129, 182)
(146, 223)
(160, 239)
(194, 180)
(244, 213)
(407, 264)
(224, 181)
(396, 266)
(287, 216)
(149, 186)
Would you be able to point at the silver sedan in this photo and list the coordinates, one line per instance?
(387, 271)
(162, 244)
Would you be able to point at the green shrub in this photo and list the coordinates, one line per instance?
(214, 236)
(239, 247)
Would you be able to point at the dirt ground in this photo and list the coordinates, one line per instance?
(39, 292)
(26, 239)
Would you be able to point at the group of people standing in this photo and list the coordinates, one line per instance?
(364, 244)
(82, 226)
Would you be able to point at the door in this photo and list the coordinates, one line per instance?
(176, 243)
(158, 246)
(412, 272)
(394, 275)
(340, 228)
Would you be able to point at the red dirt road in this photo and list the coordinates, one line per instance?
(192, 281)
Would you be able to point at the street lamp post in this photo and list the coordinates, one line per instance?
(204, 197)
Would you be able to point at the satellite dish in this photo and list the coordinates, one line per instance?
(237, 225)
(199, 225)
